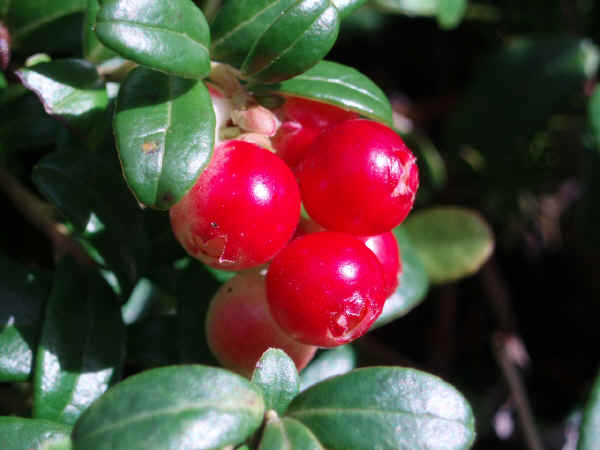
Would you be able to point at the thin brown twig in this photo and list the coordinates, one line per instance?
(43, 216)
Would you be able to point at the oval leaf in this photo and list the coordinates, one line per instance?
(167, 35)
(589, 433)
(287, 434)
(277, 376)
(69, 89)
(327, 364)
(164, 126)
(452, 242)
(347, 7)
(177, 407)
(338, 85)
(273, 40)
(413, 283)
(19, 433)
(408, 7)
(22, 294)
(77, 360)
(418, 410)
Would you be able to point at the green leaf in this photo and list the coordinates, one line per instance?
(164, 127)
(22, 295)
(452, 242)
(41, 25)
(296, 41)
(153, 342)
(93, 50)
(167, 35)
(287, 434)
(87, 187)
(413, 283)
(338, 85)
(329, 363)
(347, 7)
(277, 376)
(273, 40)
(30, 434)
(418, 410)
(194, 291)
(69, 89)
(177, 407)
(594, 115)
(589, 432)
(450, 12)
(82, 345)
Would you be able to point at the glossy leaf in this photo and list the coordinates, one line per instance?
(153, 342)
(287, 434)
(87, 187)
(413, 283)
(273, 40)
(40, 25)
(77, 359)
(327, 364)
(93, 50)
(386, 407)
(69, 89)
(62, 443)
(450, 12)
(164, 127)
(589, 432)
(338, 85)
(189, 407)
(22, 294)
(171, 36)
(452, 242)
(277, 376)
(19, 433)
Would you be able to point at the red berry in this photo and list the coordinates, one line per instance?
(239, 326)
(325, 289)
(303, 120)
(386, 249)
(358, 177)
(383, 245)
(242, 211)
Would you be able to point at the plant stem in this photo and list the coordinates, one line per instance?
(210, 8)
(43, 216)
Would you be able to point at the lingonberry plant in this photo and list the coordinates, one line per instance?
(223, 220)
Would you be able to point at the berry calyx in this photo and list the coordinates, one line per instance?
(358, 177)
(240, 328)
(241, 212)
(325, 289)
(302, 121)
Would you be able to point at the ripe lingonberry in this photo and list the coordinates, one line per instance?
(325, 289)
(242, 210)
(239, 326)
(386, 249)
(358, 177)
(302, 121)
(383, 245)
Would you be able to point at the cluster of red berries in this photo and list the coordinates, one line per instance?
(327, 279)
